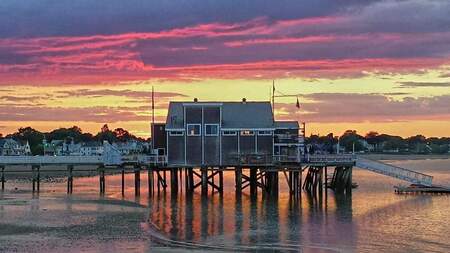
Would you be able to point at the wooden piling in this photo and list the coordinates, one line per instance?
(101, 171)
(191, 180)
(221, 180)
(174, 181)
(253, 182)
(150, 181)
(204, 174)
(123, 180)
(33, 179)
(2, 177)
(137, 180)
(69, 179)
(38, 178)
(238, 180)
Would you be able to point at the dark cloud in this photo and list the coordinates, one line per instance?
(423, 84)
(87, 17)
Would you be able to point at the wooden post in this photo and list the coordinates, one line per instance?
(123, 180)
(69, 179)
(137, 180)
(186, 180)
(165, 180)
(221, 180)
(204, 174)
(101, 171)
(33, 174)
(150, 181)
(38, 178)
(253, 179)
(174, 181)
(191, 180)
(238, 179)
(3, 177)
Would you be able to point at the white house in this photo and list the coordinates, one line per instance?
(91, 148)
(12, 147)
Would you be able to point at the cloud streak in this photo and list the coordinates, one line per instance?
(259, 45)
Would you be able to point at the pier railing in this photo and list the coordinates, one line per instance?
(395, 171)
(329, 158)
(12, 160)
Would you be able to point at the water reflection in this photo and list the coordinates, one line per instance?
(232, 220)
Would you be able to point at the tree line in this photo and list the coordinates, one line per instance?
(375, 142)
(349, 141)
(35, 138)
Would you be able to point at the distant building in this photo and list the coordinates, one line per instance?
(53, 148)
(91, 149)
(11, 147)
(130, 147)
(225, 133)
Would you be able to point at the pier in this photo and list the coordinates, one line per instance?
(201, 140)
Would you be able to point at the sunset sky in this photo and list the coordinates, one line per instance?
(354, 64)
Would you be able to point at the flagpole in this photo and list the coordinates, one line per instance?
(273, 99)
(153, 119)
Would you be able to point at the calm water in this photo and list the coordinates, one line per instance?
(372, 219)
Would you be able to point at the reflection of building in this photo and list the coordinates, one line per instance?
(226, 133)
(12, 147)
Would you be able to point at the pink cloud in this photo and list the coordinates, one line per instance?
(258, 48)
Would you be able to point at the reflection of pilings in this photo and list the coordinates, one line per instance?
(189, 217)
(238, 219)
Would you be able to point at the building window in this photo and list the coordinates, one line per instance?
(247, 133)
(265, 133)
(176, 133)
(194, 129)
(229, 133)
(211, 129)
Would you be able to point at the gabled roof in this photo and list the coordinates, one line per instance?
(234, 114)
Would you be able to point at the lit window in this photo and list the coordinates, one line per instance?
(211, 129)
(176, 133)
(194, 130)
(265, 133)
(229, 133)
(247, 133)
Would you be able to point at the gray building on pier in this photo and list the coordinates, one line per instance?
(227, 134)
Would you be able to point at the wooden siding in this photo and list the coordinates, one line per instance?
(175, 150)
